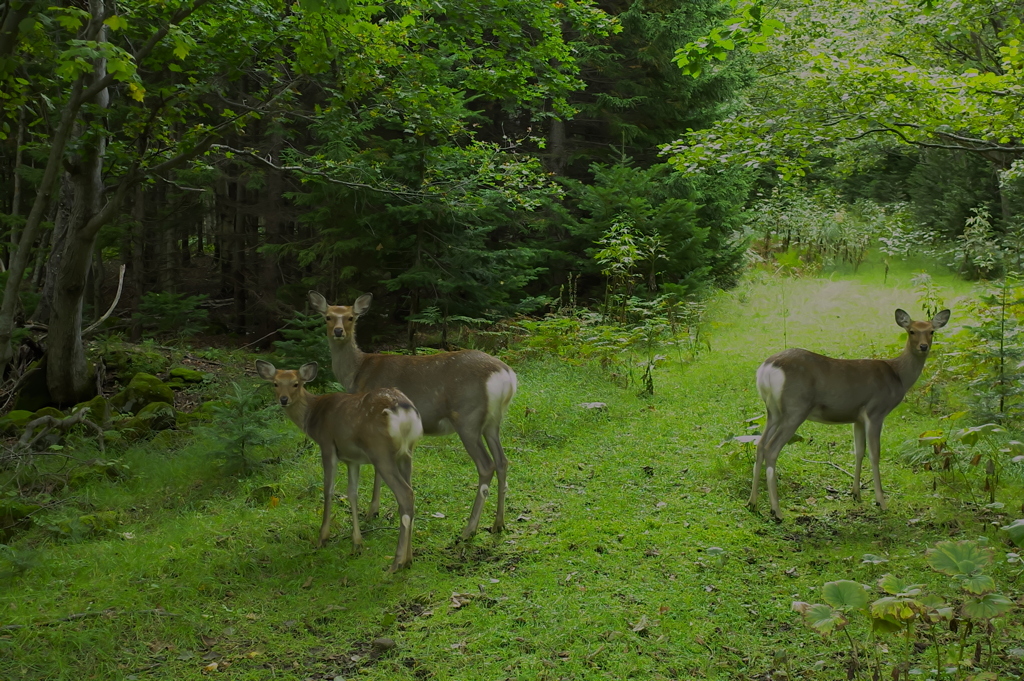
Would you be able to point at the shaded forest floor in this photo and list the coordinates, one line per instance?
(604, 571)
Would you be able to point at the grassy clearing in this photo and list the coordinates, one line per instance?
(604, 572)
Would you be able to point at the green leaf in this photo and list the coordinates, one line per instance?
(873, 559)
(897, 586)
(896, 608)
(116, 22)
(957, 558)
(978, 584)
(845, 594)
(987, 607)
(1016, 531)
(884, 626)
(820, 617)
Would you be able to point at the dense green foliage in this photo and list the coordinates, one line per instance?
(427, 153)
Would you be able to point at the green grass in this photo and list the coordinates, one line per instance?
(603, 572)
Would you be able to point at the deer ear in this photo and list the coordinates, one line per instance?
(362, 304)
(318, 302)
(265, 370)
(307, 372)
(939, 320)
(903, 319)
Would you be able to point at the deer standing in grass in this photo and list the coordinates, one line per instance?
(797, 385)
(467, 392)
(378, 427)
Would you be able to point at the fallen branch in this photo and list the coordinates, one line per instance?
(829, 463)
(117, 299)
(109, 612)
(27, 442)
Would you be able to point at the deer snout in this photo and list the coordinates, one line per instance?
(284, 400)
(923, 347)
(339, 332)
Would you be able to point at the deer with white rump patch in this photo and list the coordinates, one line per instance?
(378, 427)
(797, 385)
(467, 392)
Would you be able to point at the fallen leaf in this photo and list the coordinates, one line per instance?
(437, 515)
(308, 583)
(661, 504)
(208, 641)
(212, 667)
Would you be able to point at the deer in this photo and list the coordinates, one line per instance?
(467, 392)
(798, 385)
(379, 427)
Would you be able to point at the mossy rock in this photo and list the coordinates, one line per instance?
(99, 410)
(187, 419)
(154, 416)
(144, 389)
(176, 384)
(14, 422)
(33, 393)
(187, 375)
(48, 411)
(128, 360)
(160, 415)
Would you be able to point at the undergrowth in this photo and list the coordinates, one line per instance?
(628, 552)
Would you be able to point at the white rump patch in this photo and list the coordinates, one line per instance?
(770, 380)
(501, 388)
(404, 427)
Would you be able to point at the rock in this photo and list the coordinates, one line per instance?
(144, 389)
(187, 375)
(160, 415)
(127, 360)
(383, 643)
(48, 411)
(99, 410)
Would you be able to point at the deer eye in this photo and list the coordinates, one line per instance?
(350, 317)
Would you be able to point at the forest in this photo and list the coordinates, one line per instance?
(612, 212)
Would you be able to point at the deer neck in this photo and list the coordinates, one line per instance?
(345, 360)
(298, 409)
(908, 367)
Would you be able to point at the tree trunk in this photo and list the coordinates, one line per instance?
(238, 259)
(269, 307)
(557, 152)
(66, 369)
(136, 279)
(62, 221)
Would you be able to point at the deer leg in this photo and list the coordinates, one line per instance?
(858, 454)
(375, 499)
(501, 469)
(474, 444)
(396, 472)
(769, 428)
(353, 504)
(779, 437)
(874, 437)
(330, 464)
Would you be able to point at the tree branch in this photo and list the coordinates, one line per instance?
(117, 298)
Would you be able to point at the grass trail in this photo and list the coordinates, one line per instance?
(605, 571)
